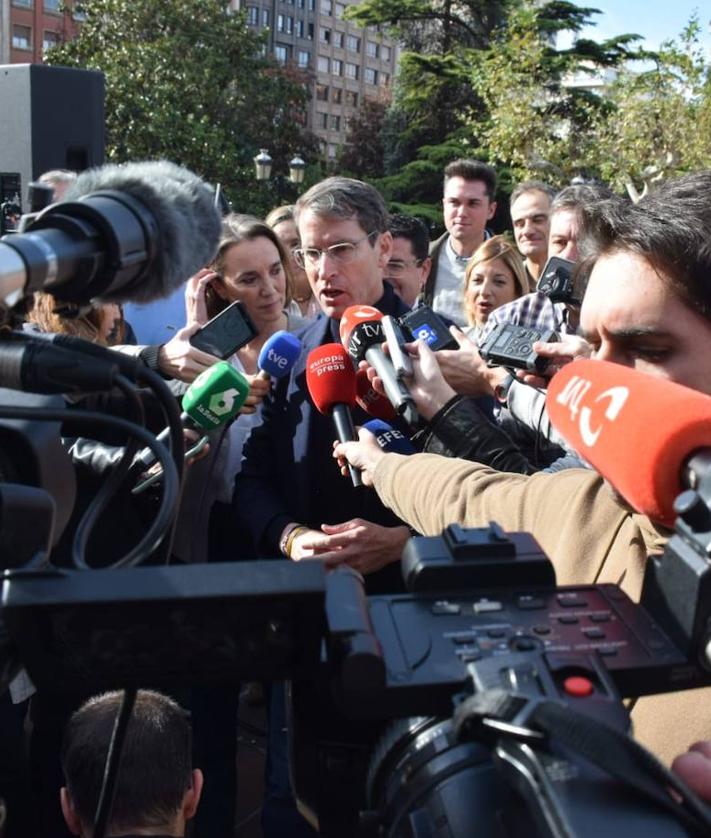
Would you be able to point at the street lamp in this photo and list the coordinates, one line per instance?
(263, 167)
(297, 167)
(263, 164)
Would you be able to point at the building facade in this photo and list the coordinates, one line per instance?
(29, 27)
(345, 63)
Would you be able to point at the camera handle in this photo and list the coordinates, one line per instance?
(562, 756)
(677, 583)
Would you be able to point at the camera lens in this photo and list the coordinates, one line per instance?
(420, 774)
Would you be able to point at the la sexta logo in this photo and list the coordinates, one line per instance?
(589, 411)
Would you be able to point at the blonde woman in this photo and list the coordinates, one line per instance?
(494, 276)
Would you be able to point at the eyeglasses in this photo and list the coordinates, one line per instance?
(396, 267)
(343, 252)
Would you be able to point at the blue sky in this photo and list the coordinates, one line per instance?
(655, 20)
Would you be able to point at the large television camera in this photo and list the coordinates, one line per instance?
(467, 706)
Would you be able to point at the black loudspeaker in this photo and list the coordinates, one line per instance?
(52, 118)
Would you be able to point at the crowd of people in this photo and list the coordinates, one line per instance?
(272, 484)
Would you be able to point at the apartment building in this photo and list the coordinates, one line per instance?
(346, 63)
(343, 62)
(28, 27)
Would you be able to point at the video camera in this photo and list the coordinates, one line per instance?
(470, 705)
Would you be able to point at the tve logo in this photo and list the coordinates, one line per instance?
(605, 407)
(278, 360)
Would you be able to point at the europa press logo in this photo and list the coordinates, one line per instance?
(592, 417)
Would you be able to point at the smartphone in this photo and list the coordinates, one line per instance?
(227, 332)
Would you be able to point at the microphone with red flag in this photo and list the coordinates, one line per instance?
(362, 335)
(637, 431)
(331, 382)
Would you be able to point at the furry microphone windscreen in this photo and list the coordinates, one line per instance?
(186, 218)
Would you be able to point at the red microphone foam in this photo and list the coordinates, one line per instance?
(353, 316)
(636, 430)
(371, 401)
(330, 377)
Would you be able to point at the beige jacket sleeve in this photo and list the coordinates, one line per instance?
(589, 534)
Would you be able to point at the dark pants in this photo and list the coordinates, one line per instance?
(280, 817)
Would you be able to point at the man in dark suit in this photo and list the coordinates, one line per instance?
(289, 491)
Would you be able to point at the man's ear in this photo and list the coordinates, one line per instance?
(385, 248)
(70, 815)
(492, 210)
(426, 267)
(191, 798)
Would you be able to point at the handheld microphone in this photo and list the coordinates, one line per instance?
(130, 233)
(330, 379)
(611, 415)
(279, 354)
(362, 335)
(390, 439)
(370, 400)
(212, 400)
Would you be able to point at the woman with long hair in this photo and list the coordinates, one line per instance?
(495, 275)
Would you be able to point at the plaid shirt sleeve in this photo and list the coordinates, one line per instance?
(534, 311)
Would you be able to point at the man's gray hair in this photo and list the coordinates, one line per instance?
(342, 197)
(532, 186)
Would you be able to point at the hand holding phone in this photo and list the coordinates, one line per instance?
(227, 332)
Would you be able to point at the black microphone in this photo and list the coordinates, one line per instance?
(131, 233)
(362, 336)
(40, 367)
(129, 365)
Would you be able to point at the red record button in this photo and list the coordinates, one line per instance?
(577, 686)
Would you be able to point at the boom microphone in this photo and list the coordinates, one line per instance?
(362, 335)
(330, 379)
(278, 355)
(610, 414)
(131, 233)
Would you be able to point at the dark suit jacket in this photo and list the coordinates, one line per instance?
(427, 295)
(288, 473)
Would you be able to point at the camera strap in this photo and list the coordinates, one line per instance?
(508, 715)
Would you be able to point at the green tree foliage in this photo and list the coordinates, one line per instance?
(659, 119)
(533, 121)
(432, 88)
(362, 152)
(187, 80)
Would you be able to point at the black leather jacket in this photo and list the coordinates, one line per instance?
(461, 429)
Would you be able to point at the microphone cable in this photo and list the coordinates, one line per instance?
(165, 516)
